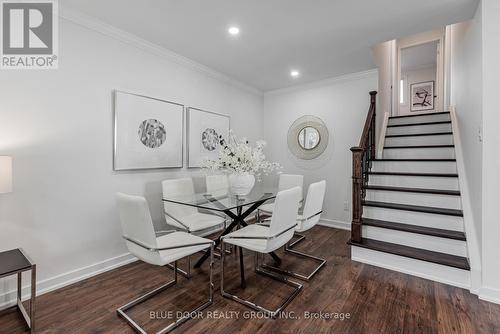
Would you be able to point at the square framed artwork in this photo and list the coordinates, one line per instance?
(422, 96)
(148, 132)
(204, 129)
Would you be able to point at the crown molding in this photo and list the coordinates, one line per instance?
(324, 82)
(94, 24)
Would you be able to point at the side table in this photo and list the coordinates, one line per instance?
(16, 261)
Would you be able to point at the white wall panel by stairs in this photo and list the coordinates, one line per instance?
(427, 182)
(432, 271)
(415, 218)
(415, 166)
(432, 200)
(420, 119)
(436, 244)
(420, 153)
(430, 128)
(419, 140)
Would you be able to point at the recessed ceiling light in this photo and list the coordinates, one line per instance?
(294, 73)
(233, 31)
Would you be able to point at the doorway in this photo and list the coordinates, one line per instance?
(420, 76)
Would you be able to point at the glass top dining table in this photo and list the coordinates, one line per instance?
(236, 207)
(223, 200)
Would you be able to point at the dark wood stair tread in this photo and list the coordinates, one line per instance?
(418, 146)
(435, 232)
(415, 190)
(420, 134)
(451, 160)
(418, 124)
(414, 174)
(415, 208)
(428, 114)
(414, 253)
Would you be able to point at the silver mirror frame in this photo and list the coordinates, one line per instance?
(299, 125)
(300, 135)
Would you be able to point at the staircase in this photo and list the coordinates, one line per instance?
(411, 215)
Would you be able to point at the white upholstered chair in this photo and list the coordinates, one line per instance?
(265, 239)
(286, 181)
(184, 217)
(309, 217)
(142, 241)
(187, 218)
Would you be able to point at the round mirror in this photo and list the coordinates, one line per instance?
(309, 138)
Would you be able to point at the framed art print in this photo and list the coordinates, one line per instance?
(204, 129)
(148, 132)
(422, 96)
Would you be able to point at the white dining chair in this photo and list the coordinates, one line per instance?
(266, 239)
(308, 219)
(187, 218)
(143, 242)
(218, 186)
(286, 181)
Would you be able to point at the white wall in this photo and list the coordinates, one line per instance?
(466, 96)
(342, 103)
(383, 55)
(57, 125)
(491, 144)
(412, 77)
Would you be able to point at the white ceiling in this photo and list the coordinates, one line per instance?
(320, 38)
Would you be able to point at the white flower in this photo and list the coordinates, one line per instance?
(238, 156)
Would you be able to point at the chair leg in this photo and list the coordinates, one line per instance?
(301, 237)
(122, 310)
(321, 261)
(272, 313)
(187, 272)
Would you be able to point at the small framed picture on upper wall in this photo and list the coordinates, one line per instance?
(422, 96)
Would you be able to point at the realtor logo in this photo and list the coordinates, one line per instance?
(29, 34)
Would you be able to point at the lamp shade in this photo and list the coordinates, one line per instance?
(5, 174)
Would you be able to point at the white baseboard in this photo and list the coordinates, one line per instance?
(335, 224)
(475, 281)
(490, 295)
(8, 298)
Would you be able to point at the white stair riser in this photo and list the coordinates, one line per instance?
(420, 153)
(402, 130)
(415, 218)
(445, 183)
(436, 272)
(415, 166)
(435, 244)
(419, 140)
(432, 200)
(420, 119)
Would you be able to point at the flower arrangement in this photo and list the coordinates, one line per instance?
(237, 156)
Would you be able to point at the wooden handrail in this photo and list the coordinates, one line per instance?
(362, 156)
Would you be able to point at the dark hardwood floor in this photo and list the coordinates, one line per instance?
(372, 300)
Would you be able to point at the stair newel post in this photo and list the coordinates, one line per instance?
(357, 183)
(362, 156)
